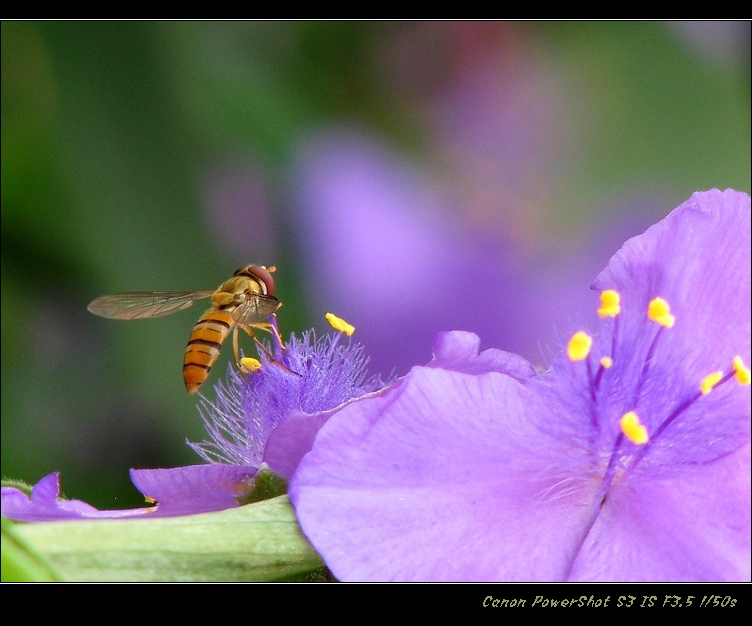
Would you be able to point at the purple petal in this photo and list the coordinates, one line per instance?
(476, 491)
(693, 526)
(45, 504)
(195, 488)
(460, 351)
(292, 440)
(698, 259)
(178, 491)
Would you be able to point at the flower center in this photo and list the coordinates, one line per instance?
(633, 437)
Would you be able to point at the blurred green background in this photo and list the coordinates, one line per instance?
(164, 155)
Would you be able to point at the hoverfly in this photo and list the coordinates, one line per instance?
(245, 301)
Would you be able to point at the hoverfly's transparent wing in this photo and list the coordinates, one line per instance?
(137, 305)
(258, 308)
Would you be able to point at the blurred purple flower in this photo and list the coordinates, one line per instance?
(260, 423)
(393, 251)
(629, 460)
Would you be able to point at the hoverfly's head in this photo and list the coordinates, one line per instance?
(260, 273)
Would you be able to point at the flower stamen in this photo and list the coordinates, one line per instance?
(660, 312)
(251, 364)
(610, 303)
(610, 307)
(579, 346)
(606, 363)
(633, 428)
(337, 323)
(710, 381)
(741, 371)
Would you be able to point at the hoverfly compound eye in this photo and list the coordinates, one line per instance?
(264, 276)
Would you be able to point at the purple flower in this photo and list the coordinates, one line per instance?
(247, 423)
(259, 426)
(629, 460)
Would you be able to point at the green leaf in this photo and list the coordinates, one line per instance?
(20, 562)
(256, 542)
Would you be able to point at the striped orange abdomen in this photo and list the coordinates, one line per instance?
(203, 347)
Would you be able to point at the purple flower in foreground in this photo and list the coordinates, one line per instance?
(629, 460)
(263, 421)
(272, 416)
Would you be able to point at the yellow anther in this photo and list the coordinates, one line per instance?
(337, 323)
(710, 381)
(251, 364)
(633, 428)
(610, 303)
(579, 346)
(607, 362)
(660, 312)
(742, 371)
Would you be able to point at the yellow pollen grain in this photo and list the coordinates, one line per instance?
(741, 371)
(633, 428)
(579, 346)
(710, 381)
(337, 323)
(251, 364)
(660, 312)
(610, 303)
(607, 362)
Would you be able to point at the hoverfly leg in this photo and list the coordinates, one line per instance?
(236, 353)
(263, 348)
(271, 327)
(260, 345)
(275, 330)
